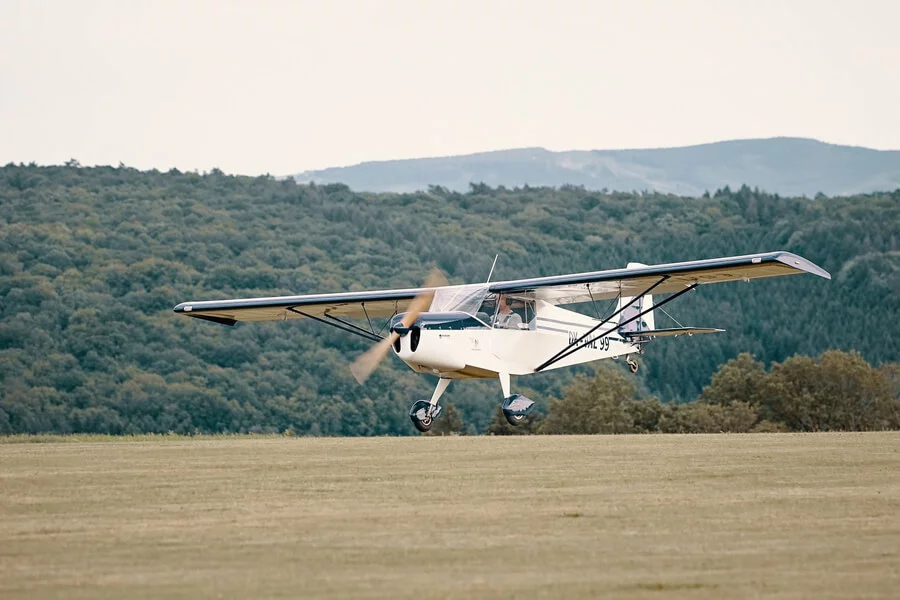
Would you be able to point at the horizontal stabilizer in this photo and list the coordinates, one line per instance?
(651, 333)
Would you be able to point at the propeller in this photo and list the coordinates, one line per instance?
(363, 366)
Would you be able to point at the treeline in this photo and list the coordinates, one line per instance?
(838, 392)
(92, 260)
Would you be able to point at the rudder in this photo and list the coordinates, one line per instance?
(634, 307)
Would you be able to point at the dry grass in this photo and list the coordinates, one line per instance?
(782, 515)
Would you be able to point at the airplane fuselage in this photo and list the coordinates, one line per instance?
(483, 352)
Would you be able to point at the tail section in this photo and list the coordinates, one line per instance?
(635, 305)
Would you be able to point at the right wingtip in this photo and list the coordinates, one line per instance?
(798, 262)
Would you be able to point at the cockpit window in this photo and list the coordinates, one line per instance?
(459, 298)
(504, 311)
(500, 311)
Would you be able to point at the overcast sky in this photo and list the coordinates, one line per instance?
(280, 87)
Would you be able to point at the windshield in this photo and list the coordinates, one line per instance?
(459, 298)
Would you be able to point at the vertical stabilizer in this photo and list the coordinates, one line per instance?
(635, 306)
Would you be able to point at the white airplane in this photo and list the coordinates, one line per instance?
(495, 330)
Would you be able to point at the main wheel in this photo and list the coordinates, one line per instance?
(633, 366)
(514, 420)
(420, 417)
(515, 408)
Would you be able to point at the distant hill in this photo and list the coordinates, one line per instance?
(787, 166)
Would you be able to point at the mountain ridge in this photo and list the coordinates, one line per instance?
(783, 165)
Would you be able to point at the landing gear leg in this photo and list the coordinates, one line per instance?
(504, 384)
(632, 364)
(423, 413)
(515, 406)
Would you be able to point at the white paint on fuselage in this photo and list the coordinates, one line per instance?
(484, 353)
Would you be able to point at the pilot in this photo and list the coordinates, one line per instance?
(506, 318)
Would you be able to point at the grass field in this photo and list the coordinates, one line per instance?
(784, 516)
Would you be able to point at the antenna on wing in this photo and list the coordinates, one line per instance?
(492, 269)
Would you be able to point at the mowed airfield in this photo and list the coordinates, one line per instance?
(693, 516)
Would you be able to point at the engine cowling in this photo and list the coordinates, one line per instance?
(430, 343)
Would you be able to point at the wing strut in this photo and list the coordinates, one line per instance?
(342, 325)
(352, 326)
(386, 323)
(565, 351)
(574, 346)
(368, 320)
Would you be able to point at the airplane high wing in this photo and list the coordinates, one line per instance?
(561, 289)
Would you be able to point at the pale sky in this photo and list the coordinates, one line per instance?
(281, 87)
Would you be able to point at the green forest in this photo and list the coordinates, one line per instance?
(92, 260)
(838, 391)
